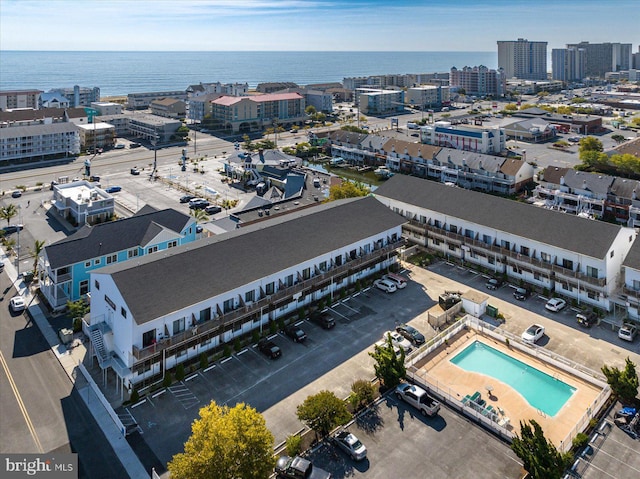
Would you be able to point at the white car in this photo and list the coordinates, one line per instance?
(17, 304)
(396, 279)
(627, 332)
(533, 334)
(555, 304)
(350, 444)
(398, 340)
(385, 285)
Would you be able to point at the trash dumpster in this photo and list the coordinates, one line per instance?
(492, 311)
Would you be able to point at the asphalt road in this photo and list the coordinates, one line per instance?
(40, 411)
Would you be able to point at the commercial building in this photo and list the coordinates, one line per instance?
(372, 101)
(38, 142)
(65, 265)
(79, 96)
(150, 314)
(461, 137)
(198, 107)
(16, 99)
(478, 80)
(533, 130)
(605, 57)
(531, 87)
(575, 257)
(428, 96)
(169, 108)
(104, 108)
(82, 202)
(152, 128)
(97, 135)
(253, 113)
(523, 59)
(141, 101)
(404, 80)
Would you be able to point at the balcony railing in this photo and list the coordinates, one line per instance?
(515, 257)
(227, 319)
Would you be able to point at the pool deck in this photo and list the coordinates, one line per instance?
(439, 371)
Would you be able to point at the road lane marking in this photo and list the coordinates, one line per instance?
(23, 408)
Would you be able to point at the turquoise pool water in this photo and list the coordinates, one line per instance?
(542, 391)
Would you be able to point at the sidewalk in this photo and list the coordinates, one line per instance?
(69, 359)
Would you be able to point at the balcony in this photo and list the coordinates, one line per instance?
(268, 303)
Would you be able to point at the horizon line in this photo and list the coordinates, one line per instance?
(254, 51)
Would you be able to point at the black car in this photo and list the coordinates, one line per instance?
(521, 294)
(16, 194)
(212, 210)
(199, 205)
(295, 332)
(186, 198)
(493, 284)
(587, 319)
(12, 228)
(411, 333)
(269, 348)
(324, 319)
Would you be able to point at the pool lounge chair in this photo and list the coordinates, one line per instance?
(466, 400)
(476, 396)
(488, 411)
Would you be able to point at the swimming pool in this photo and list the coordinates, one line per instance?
(539, 389)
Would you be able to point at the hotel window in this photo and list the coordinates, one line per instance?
(636, 285)
(96, 283)
(228, 305)
(524, 250)
(269, 288)
(592, 272)
(172, 244)
(306, 273)
(87, 264)
(591, 295)
(288, 281)
(178, 326)
(323, 266)
(491, 260)
(96, 262)
(505, 244)
(567, 263)
(545, 257)
(486, 239)
(452, 247)
(84, 287)
(453, 229)
(153, 249)
(536, 276)
(112, 258)
(205, 315)
(250, 296)
(132, 253)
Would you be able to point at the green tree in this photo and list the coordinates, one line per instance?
(310, 110)
(624, 384)
(362, 393)
(77, 309)
(540, 457)
(590, 143)
(182, 132)
(526, 106)
(592, 159)
(617, 138)
(323, 412)
(565, 110)
(247, 142)
(38, 246)
(199, 215)
(226, 443)
(578, 99)
(348, 189)
(626, 163)
(389, 367)
(511, 107)
(8, 212)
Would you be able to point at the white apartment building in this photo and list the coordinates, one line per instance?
(523, 59)
(17, 99)
(428, 96)
(575, 257)
(149, 314)
(38, 142)
(460, 137)
(373, 101)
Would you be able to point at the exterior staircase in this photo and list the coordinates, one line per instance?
(98, 346)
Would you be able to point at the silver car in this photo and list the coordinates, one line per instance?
(350, 444)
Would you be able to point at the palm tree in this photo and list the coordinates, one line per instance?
(38, 246)
(8, 212)
(200, 215)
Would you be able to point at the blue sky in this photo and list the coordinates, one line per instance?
(307, 25)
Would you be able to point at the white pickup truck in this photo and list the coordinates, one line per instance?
(418, 398)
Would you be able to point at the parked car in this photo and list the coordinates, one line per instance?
(212, 209)
(134, 171)
(186, 198)
(17, 304)
(533, 334)
(587, 319)
(411, 333)
(398, 340)
(198, 204)
(628, 332)
(493, 284)
(16, 194)
(350, 444)
(135, 145)
(385, 285)
(12, 229)
(269, 348)
(521, 294)
(418, 398)
(396, 279)
(555, 304)
(323, 319)
(113, 189)
(295, 332)
(383, 344)
(94, 178)
(299, 468)
(1, 266)
(199, 229)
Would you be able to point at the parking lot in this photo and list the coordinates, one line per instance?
(328, 359)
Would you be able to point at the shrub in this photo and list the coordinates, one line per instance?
(135, 396)
(273, 327)
(237, 344)
(204, 360)
(180, 372)
(580, 440)
(301, 314)
(166, 382)
(255, 336)
(293, 445)
(363, 392)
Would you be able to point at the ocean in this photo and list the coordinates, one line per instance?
(120, 73)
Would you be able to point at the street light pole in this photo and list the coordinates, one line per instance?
(18, 252)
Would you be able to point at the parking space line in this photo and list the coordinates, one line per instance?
(158, 393)
(191, 377)
(356, 294)
(139, 403)
(241, 352)
(184, 395)
(366, 289)
(349, 307)
(272, 336)
(341, 315)
(209, 368)
(226, 359)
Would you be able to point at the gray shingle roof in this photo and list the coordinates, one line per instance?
(572, 233)
(158, 284)
(93, 241)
